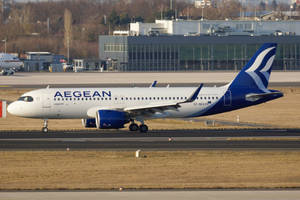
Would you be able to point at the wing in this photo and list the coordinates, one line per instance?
(150, 109)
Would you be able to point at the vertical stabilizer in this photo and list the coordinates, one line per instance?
(256, 72)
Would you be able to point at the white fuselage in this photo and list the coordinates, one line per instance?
(71, 103)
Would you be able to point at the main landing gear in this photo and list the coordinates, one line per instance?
(45, 127)
(134, 127)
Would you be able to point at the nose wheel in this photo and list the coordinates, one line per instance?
(45, 127)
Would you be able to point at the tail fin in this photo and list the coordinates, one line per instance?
(256, 72)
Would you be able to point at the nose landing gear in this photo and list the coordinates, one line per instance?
(45, 127)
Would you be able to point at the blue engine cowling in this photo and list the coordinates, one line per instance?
(111, 119)
(89, 123)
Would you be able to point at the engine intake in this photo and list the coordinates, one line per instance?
(89, 123)
(111, 119)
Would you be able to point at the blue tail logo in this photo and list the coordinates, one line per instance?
(256, 72)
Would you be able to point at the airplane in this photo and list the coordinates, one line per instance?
(9, 64)
(112, 108)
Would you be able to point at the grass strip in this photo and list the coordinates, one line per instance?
(42, 170)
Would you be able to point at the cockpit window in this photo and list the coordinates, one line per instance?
(26, 99)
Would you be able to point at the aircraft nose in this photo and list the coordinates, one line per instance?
(12, 108)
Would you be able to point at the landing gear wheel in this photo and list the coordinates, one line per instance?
(45, 130)
(133, 127)
(143, 128)
(45, 127)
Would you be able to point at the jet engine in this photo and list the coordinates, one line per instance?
(111, 119)
(89, 123)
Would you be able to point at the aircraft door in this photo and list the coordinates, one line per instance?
(46, 102)
(227, 98)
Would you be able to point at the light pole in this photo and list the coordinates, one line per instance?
(4, 44)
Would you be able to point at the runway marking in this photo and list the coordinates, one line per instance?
(5, 86)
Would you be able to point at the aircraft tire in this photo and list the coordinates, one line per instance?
(143, 128)
(133, 127)
(45, 130)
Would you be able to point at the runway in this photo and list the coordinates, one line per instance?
(147, 195)
(135, 79)
(154, 140)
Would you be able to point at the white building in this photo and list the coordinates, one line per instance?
(215, 27)
(202, 3)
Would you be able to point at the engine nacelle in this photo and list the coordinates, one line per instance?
(111, 119)
(89, 123)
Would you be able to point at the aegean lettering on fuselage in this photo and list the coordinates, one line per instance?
(85, 93)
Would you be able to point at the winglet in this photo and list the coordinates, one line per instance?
(194, 95)
(153, 84)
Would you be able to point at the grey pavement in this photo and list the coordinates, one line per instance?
(149, 195)
(132, 78)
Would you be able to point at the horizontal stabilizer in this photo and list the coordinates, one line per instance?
(255, 97)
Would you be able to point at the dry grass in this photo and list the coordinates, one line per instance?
(187, 169)
(270, 113)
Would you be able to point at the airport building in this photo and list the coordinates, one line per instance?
(216, 27)
(179, 52)
(176, 45)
